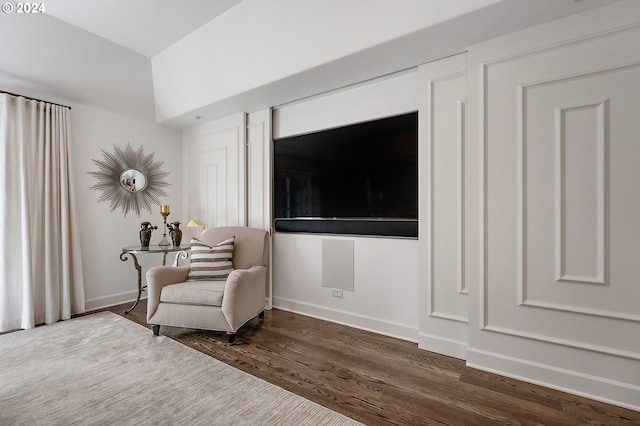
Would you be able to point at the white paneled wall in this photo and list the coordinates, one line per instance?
(528, 250)
(214, 165)
(259, 169)
(443, 286)
(556, 299)
(259, 182)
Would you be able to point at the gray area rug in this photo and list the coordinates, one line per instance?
(103, 369)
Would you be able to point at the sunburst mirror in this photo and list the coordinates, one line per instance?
(130, 179)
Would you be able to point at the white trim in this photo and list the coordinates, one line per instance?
(563, 342)
(114, 299)
(462, 106)
(456, 318)
(362, 322)
(458, 61)
(482, 197)
(601, 185)
(609, 391)
(442, 345)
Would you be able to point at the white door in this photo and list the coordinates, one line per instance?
(214, 172)
(259, 181)
(557, 294)
(259, 169)
(443, 288)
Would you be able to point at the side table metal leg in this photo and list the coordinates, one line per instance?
(124, 258)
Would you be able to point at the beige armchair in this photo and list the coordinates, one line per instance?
(212, 304)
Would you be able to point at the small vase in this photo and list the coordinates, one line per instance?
(176, 234)
(145, 234)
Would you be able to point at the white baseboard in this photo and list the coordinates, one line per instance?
(610, 391)
(441, 345)
(116, 299)
(375, 325)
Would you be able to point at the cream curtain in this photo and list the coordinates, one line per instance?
(40, 270)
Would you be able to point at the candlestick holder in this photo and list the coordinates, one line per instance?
(164, 241)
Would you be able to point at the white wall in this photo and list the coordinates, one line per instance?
(383, 97)
(103, 233)
(46, 58)
(385, 293)
(265, 42)
(384, 299)
(554, 129)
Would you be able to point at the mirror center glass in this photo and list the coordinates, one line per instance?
(133, 180)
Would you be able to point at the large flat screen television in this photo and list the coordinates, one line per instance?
(358, 179)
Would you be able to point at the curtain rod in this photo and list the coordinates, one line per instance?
(33, 99)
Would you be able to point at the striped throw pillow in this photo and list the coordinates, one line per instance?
(211, 263)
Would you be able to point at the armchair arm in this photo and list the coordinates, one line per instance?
(244, 295)
(158, 277)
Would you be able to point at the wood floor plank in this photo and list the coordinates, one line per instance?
(379, 380)
(537, 394)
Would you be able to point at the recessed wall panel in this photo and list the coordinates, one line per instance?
(443, 141)
(447, 192)
(557, 128)
(214, 191)
(580, 179)
(574, 199)
(337, 264)
(559, 178)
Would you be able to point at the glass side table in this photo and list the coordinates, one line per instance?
(131, 251)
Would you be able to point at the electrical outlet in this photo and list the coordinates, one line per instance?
(336, 293)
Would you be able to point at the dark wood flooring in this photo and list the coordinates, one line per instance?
(379, 380)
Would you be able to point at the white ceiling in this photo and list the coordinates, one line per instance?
(144, 26)
(99, 52)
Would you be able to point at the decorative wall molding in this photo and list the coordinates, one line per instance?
(483, 282)
(219, 196)
(449, 317)
(596, 72)
(559, 143)
(601, 188)
(213, 178)
(559, 170)
(258, 147)
(444, 318)
(602, 125)
(483, 69)
(461, 106)
(601, 106)
(573, 40)
(569, 357)
(563, 342)
(461, 140)
(257, 157)
(580, 310)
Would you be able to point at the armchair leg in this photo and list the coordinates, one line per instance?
(261, 315)
(156, 330)
(231, 337)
